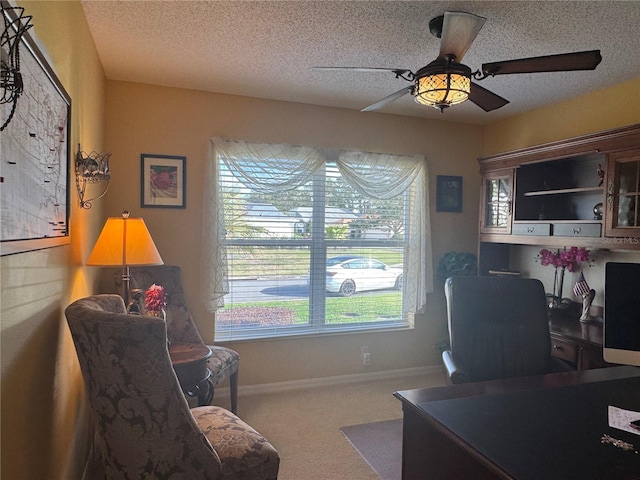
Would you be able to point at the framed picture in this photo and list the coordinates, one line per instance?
(163, 181)
(35, 140)
(448, 194)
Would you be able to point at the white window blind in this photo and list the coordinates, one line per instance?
(302, 240)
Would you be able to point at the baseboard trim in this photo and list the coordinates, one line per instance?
(328, 381)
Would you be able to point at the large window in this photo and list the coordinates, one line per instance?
(313, 240)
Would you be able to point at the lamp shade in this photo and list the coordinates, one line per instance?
(124, 242)
(442, 89)
(442, 83)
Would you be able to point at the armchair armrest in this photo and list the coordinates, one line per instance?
(455, 371)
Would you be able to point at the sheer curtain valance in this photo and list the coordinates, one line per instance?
(270, 168)
(267, 168)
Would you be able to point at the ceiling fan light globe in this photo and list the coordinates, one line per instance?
(441, 90)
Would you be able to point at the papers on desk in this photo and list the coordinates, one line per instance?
(619, 418)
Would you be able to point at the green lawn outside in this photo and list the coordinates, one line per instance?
(380, 307)
(266, 261)
(294, 262)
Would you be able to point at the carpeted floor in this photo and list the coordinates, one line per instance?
(380, 445)
(304, 425)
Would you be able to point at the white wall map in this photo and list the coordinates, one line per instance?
(34, 159)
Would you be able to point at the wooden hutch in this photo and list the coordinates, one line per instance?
(585, 189)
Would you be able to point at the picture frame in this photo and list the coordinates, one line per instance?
(163, 181)
(448, 193)
(36, 156)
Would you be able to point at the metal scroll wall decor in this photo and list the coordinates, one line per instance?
(16, 23)
(91, 168)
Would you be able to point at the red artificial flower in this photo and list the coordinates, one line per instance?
(155, 298)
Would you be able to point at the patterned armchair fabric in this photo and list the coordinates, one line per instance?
(143, 425)
(181, 328)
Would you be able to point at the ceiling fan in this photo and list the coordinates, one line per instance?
(446, 81)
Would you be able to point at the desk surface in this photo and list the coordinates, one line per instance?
(534, 428)
(590, 332)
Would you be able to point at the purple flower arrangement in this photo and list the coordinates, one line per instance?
(568, 258)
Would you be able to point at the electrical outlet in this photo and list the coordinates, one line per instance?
(366, 356)
(366, 359)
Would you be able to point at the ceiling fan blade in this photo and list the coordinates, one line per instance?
(388, 99)
(485, 99)
(563, 62)
(397, 71)
(459, 30)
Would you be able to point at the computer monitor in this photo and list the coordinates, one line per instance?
(622, 313)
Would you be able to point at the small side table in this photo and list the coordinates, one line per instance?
(189, 361)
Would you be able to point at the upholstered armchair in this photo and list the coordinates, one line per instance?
(181, 328)
(498, 328)
(143, 425)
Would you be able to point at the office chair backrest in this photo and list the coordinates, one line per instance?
(498, 326)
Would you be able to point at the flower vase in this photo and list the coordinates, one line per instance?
(157, 313)
(558, 282)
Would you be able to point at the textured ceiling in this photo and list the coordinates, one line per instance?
(266, 49)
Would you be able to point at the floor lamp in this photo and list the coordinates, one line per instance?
(124, 242)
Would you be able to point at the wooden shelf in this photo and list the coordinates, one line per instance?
(604, 243)
(565, 190)
(543, 212)
(547, 221)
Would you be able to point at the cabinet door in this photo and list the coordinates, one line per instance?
(622, 214)
(497, 191)
(591, 357)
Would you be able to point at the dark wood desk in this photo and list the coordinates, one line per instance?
(189, 361)
(576, 342)
(533, 428)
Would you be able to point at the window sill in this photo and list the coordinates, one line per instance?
(306, 331)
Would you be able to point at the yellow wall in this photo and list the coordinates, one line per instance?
(159, 120)
(605, 109)
(44, 427)
(43, 416)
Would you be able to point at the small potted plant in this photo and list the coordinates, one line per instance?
(457, 264)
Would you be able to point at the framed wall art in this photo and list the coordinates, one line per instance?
(164, 180)
(34, 171)
(448, 193)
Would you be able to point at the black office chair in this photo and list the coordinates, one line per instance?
(498, 328)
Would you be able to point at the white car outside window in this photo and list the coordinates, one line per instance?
(349, 274)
